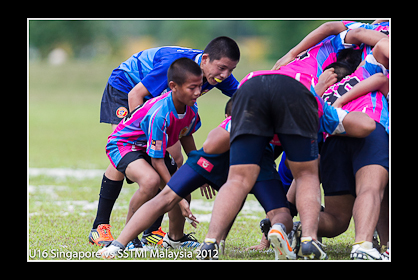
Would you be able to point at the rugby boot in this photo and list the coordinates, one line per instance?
(101, 236)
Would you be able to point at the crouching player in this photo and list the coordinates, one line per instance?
(137, 147)
(210, 165)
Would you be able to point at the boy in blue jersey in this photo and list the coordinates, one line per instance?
(144, 76)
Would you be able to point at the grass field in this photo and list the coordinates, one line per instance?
(64, 132)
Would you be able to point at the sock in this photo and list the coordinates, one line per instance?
(365, 244)
(109, 192)
(118, 244)
(306, 239)
(276, 225)
(210, 240)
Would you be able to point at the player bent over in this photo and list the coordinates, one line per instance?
(137, 147)
(268, 103)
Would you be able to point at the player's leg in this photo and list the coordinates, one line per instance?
(335, 219)
(371, 181)
(147, 214)
(243, 173)
(383, 222)
(111, 186)
(141, 172)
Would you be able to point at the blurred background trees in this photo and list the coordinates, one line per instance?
(118, 39)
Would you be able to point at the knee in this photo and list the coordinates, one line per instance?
(149, 184)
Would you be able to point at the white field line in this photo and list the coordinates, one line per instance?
(202, 205)
(61, 173)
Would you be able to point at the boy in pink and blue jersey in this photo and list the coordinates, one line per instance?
(373, 104)
(137, 147)
(354, 172)
(151, 128)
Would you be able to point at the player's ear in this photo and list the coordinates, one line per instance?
(172, 85)
(205, 59)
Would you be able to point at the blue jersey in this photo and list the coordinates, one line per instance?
(150, 68)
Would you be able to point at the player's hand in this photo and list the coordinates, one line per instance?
(187, 213)
(325, 80)
(207, 191)
(283, 61)
(264, 245)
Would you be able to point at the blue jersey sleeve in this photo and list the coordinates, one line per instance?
(331, 121)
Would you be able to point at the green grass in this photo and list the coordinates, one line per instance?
(64, 132)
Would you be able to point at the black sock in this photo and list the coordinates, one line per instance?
(109, 192)
(156, 224)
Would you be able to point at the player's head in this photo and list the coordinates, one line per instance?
(228, 108)
(185, 79)
(219, 59)
(350, 56)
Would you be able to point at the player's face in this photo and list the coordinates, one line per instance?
(190, 90)
(219, 69)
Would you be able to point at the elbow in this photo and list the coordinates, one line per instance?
(208, 148)
(333, 27)
(365, 128)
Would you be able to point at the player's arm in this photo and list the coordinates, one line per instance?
(313, 38)
(188, 143)
(358, 124)
(136, 96)
(361, 35)
(217, 141)
(376, 82)
(161, 168)
(381, 52)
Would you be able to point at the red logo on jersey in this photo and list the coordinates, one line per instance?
(205, 164)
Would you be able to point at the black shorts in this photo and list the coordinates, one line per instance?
(269, 104)
(132, 156)
(342, 157)
(114, 106)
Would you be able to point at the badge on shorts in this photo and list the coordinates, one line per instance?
(205, 164)
(121, 112)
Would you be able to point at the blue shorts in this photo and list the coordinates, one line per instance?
(114, 106)
(249, 148)
(186, 180)
(269, 193)
(342, 157)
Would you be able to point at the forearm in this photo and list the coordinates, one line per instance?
(159, 166)
(376, 82)
(188, 143)
(136, 96)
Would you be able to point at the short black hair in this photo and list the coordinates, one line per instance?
(228, 107)
(178, 70)
(222, 47)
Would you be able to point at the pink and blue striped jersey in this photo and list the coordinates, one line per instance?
(226, 124)
(381, 27)
(309, 66)
(152, 127)
(374, 104)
